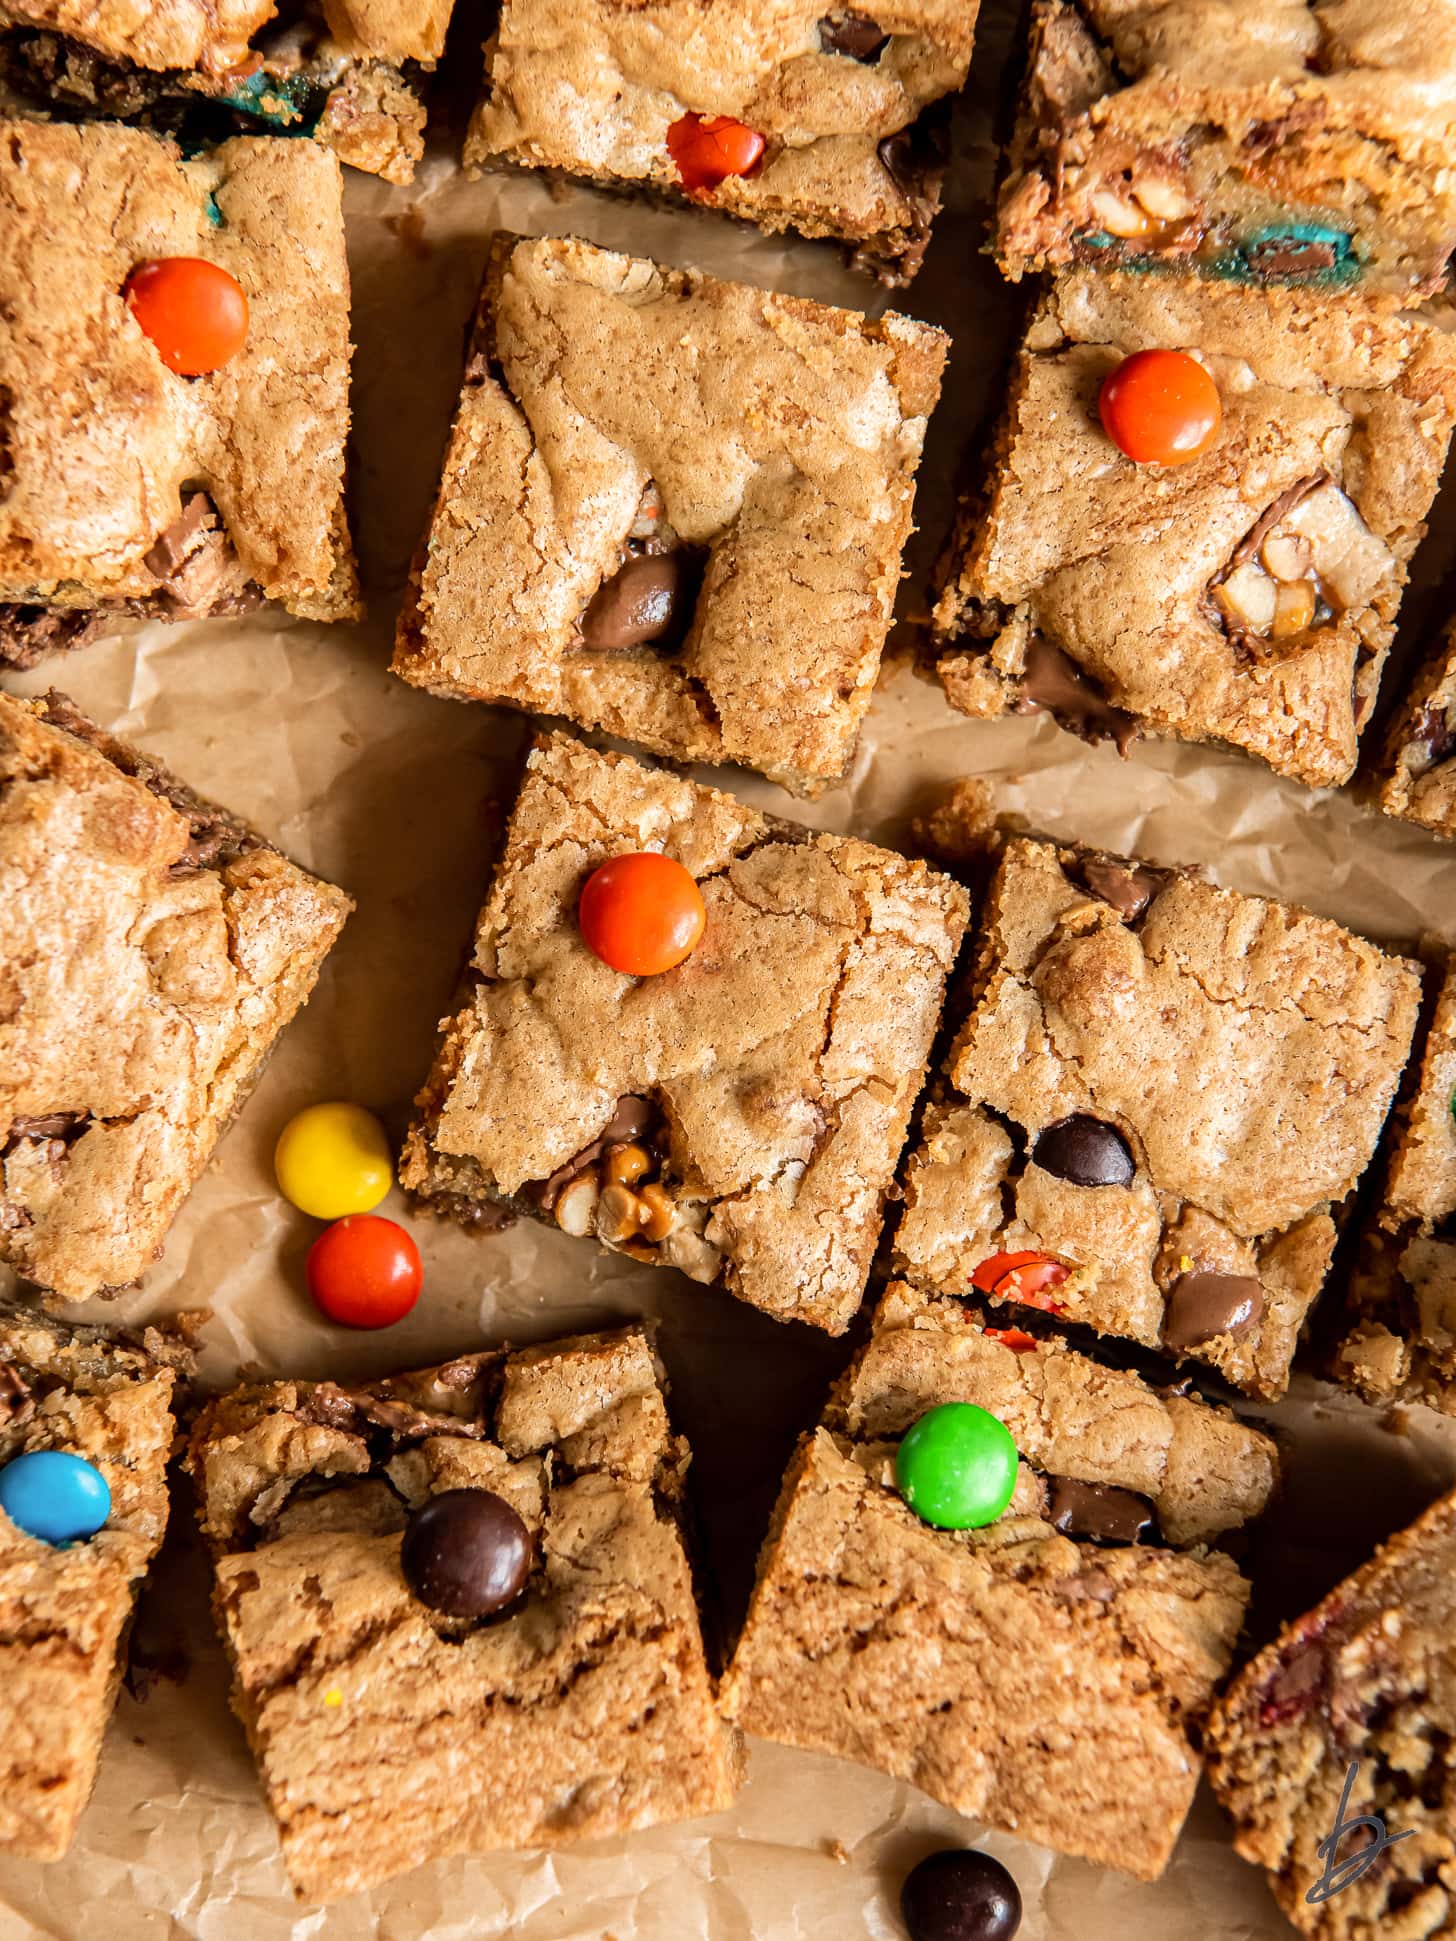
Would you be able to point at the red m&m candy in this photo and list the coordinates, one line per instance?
(707, 151)
(641, 914)
(1160, 407)
(193, 310)
(364, 1272)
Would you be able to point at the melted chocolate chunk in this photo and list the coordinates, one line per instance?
(1435, 730)
(173, 547)
(1290, 257)
(1055, 684)
(466, 1553)
(1086, 1151)
(1205, 1304)
(1099, 1512)
(1128, 887)
(633, 1119)
(646, 602)
(47, 1125)
(854, 34)
(914, 158)
(29, 633)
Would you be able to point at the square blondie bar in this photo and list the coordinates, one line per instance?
(837, 117)
(65, 1610)
(152, 950)
(1247, 596)
(1263, 140)
(1047, 1673)
(131, 491)
(582, 1710)
(1160, 1096)
(1401, 1313)
(764, 1086)
(672, 508)
(351, 73)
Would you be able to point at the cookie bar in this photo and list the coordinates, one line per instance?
(351, 73)
(153, 948)
(1264, 141)
(582, 1710)
(1159, 1099)
(130, 490)
(1418, 775)
(702, 558)
(65, 1611)
(1366, 1678)
(1401, 1339)
(1047, 1673)
(833, 123)
(739, 1117)
(1248, 596)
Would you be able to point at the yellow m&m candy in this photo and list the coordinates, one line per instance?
(333, 1159)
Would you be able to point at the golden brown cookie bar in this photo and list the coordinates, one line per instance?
(1248, 596)
(131, 490)
(65, 1611)
(704, 559)
(1046, 1673)
(351, 73)
(1401, 1337)
(581, 1711)
(1160, 1097)
(152, 950)
(1264, 140)
(844, 109)
(761, 1090)
(1367, 1678)
(1417, 777)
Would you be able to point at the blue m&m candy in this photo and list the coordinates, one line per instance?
(57, 1497)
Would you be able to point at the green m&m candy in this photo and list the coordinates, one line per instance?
(956, 1467)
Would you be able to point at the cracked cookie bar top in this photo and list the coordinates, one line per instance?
(1368, 1676)
(131, 490)
(348, 72)
(672, 508)
(738, 1117)
(1160, 1099)
(152, 950)
(1261, 140)
(1248, 595)
(580, 1710)
(828, 120)
(65, 1609)
(1401, 1341)
(1046, 1673)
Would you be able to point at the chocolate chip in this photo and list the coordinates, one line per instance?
(1099, 1512)
(632, 1118)
(1128, 887)
(1052, 681)
(641, 603)
(913, 157)
(1086, 1151)
(854, 34)
(48, 1125)
(466, 1553)
(1435, 730)
(960, 1895)
(1204, 1304)
(174, 546)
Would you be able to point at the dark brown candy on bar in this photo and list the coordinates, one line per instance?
(1053, 682)
(633, 1118)
(1099, 1512)
(1204, 1304)
(1128, 887)
(1435, 730)
(854, 34)
(466, 1553)
(960, 1895)
(642, 602)
(1086, 1151)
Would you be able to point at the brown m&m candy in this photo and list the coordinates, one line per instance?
(1086, 1151)
(960, 1896)
(466, 1553)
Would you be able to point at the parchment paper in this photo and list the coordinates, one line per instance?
(391, 793)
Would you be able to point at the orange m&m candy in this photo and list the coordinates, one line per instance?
(193, 310)
(708, 151)
(641, 913)
(1160, 407)
(364, 1272)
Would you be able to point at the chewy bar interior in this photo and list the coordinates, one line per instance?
(1248, 595)
(703, 557)
(1401, 1339)
(1367, 1680)
(1264, 141)
(833, 123)
(130, 490)
(1161, 1096)
(764, 1086)
(582, 1710)
(1047, 1673)
(1417, 778)
(152, 949)
(351, 73)
(65, 1609)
